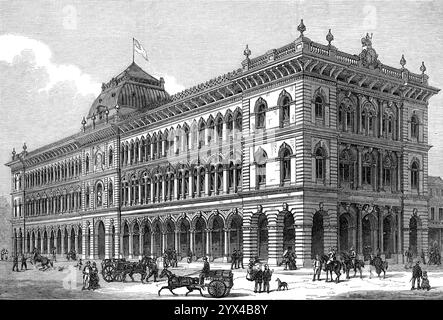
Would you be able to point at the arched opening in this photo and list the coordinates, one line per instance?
(413, 235)
(33, 241)
(126, 240)
(388, 247)
(262, 237)
(136, 240)
(217, 237)
(235, 233)
(65, 242)
(28, 242)
(59, 242)
(199, 247)
(157, 239)
(288, 231)
(369, 235)
(101, 240)
(112, 242)
(146, 240)
(344, 234)
(317, 234)
(72, 239)
(184, 237)
(39, 241)
(79, 241)
(88, 243)
(170, 235)
(45, 242)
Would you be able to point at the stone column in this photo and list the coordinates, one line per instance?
(190, 184)
(176, 186)
(84, 235)
(359, 229)
(164, 241)
(75, 244)
(225, 179)
(62, 243)
(191, 240)
(207, 181)
(380, 231)
(69, 241)
(380, 170)
(273, 238)
(92, 252)
(152, 244)
(359, 167)
(226, 245)
(208, 243)
(131, 241)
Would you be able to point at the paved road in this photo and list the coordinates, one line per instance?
(65, 282)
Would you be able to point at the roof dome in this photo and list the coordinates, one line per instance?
(133, 89)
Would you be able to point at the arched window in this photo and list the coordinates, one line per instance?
(87, 202)
(212, 180)
(186, 137)
(210, 130)
(414, 175)
(238, 121)
(284, 111)
(202, 181)
(387, 174)
(201, 134)
(346, 168)
(219, 179)
(179, 184)
(194, 182)
(219, 128)
(346, 116)
(260, 114)
(142, 150)
(110, 194)
(110, 157)
(148, 147)
(131, 153)
(414, 127)
(154, 146)
(368, 163)
(86, 163)
(320, 164)
(319, 107)
(99, 195)
(260, 159)
(186, 184)
(194, 135)
(171, 186)
(285, 165)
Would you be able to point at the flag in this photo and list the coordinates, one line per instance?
(139, 48)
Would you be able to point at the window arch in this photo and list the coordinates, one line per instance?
(260, 159)
(320, 163)
(414, 127)
(202, 174)
(110, 194)
(347, 168)
(99, 194)
(367, 169)
(346, 115)
(284, 104)
(219, 186)
(110, 157)
(219, 128)
(319, 106)
(210, 131)
(238, 120)
(285, 155)
(86, 164)
(260, 113)
(415, 168)
(388, 172)
(212, 186)
(201, 133)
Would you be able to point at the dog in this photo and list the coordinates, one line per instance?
(281, 285)
(425, 282)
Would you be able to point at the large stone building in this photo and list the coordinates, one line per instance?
(435, 233)
(303, 146)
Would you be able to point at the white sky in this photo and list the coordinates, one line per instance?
(54, 55)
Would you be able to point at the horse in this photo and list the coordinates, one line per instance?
(335, 266)
(45, 262)
(379, 265)
(136, 267)
(175, 282)
(348, 265)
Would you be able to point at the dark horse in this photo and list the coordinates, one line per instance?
(175, 282)
(132, 268)
(335, 266)
(380, 266)
(348, 265)
(45, 262)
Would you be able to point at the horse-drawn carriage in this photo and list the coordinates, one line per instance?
(71, 255)
(218, 282)
(118, 269)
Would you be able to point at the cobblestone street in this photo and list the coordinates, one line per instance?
(67, 284)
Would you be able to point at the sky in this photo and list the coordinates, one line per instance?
(54, 55)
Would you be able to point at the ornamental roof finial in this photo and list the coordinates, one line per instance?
(13, 153)
(329, 37)
(24, 147)
(422, 67)
(301, 28)
(402, 61)
(247, 52)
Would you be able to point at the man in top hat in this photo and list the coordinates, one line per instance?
(416, 275)
(267, 275)
(205, 271)
(234, 258)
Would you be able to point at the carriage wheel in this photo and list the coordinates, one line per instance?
(217, 289)
(118, 277)
(227, 292)
(107, 273)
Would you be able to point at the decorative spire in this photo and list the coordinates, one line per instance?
(24, 147)
(402, 61)
(329, 37)
(422, 67)
(83, 124)
(247, 52)
(13, 153)
(301, 28)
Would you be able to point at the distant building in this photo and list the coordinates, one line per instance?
(435, 233)
(304, 146)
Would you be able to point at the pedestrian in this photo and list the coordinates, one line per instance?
(86, 275)
(15, 263)
(189, 255)
(316, 264)
(234, 257)
(258, 280)
(416, 275)
(240, 259)
(152, 270)
(54, 254)
(23, 259)
(423, 257)
(205, 271)
(79, 264)
(94, 277)
(267, 275)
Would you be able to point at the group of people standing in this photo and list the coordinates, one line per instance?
(4, 254)
(23, 262)
(262, 277)
(170, 258)
(237, 259)
(90, 276)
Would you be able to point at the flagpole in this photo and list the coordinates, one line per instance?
(132, 50)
